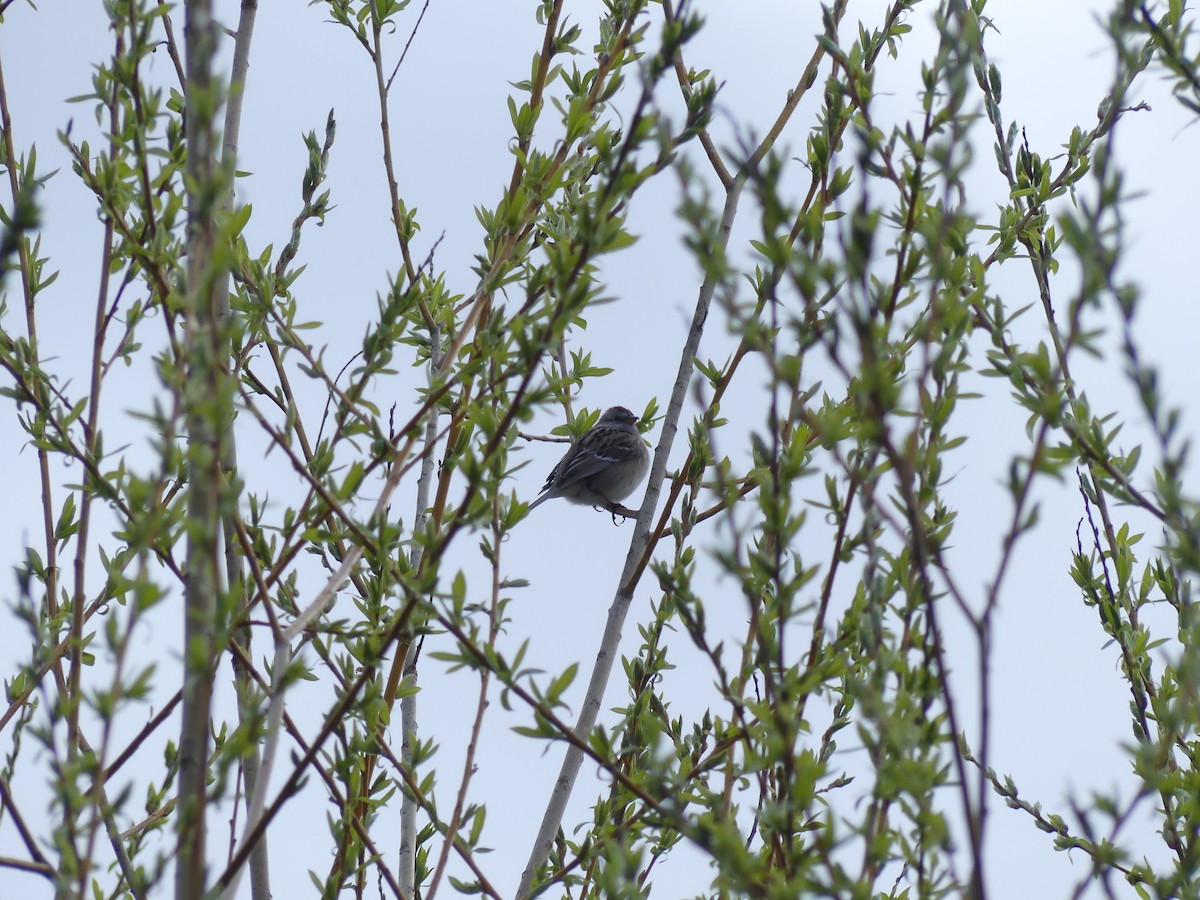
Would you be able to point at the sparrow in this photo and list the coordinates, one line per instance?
(602, 467)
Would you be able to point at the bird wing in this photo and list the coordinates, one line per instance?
(577, 464)
(580, 463)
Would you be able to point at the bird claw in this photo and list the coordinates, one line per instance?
(616, 509)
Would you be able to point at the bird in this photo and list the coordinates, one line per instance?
(602, 467)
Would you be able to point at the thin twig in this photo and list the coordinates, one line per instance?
(407, 44)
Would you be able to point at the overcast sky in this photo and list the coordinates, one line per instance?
(1060, 706)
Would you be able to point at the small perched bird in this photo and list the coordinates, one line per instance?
(602, 467)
